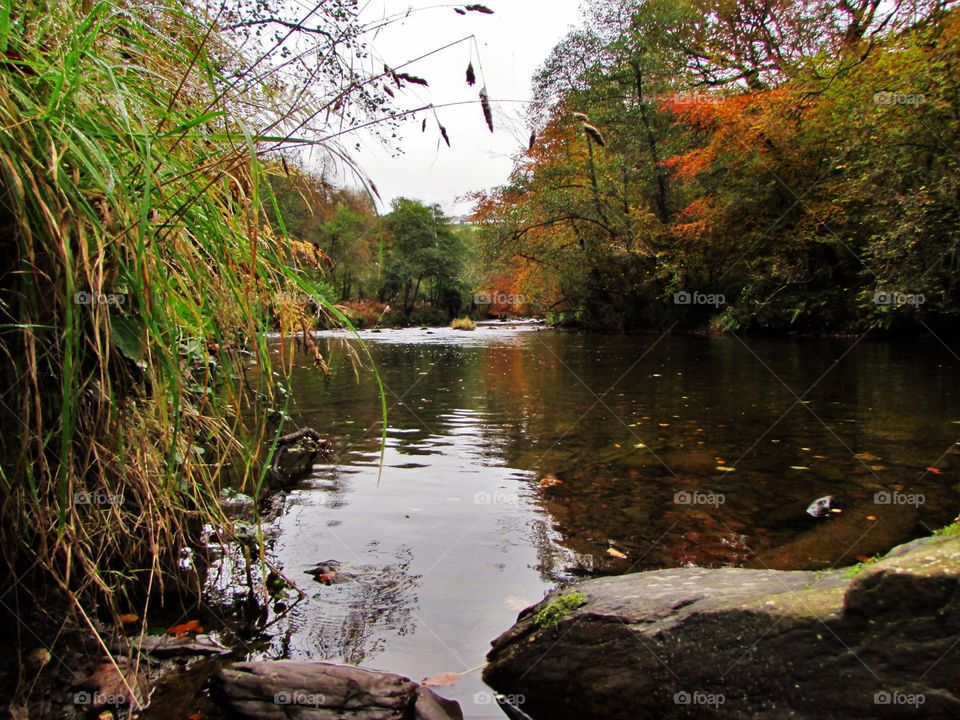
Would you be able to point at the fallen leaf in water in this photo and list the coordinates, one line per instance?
(836, 510)
(721, 461)
(613, 552)
(549, 481)
(191, 626)
(639, 446)
(616, 445)
(872, 518)
(861, 558)
(799, 467)
(820, 457)
(869, 457)
(878, 468)
(723, 468)
(935, 471)
(196, 716)
(447, 678)
(129, 618)
(664, 424)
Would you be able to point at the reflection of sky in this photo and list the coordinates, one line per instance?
(444, 550)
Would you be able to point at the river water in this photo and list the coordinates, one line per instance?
(518, 458)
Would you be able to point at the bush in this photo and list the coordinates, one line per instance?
(463, 323)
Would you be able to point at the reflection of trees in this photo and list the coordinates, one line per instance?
(360, 613)
(691, 401)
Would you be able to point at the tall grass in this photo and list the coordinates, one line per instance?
(138, 279)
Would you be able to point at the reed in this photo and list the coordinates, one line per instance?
(139, 278)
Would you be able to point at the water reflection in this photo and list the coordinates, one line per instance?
(516, 459)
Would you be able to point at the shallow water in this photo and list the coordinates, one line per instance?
(518, 458)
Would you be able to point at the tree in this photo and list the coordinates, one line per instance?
(423, 255)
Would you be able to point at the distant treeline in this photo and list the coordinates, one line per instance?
(775, 165)
(412, 259)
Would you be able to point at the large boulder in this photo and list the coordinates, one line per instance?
(881, 641)
(294, 690)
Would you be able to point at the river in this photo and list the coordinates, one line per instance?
(517, 458)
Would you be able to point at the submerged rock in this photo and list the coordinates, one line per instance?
(821, 507)
(283, 689)
(743, 643)
(163, 646)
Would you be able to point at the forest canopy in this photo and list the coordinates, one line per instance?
(766, 165)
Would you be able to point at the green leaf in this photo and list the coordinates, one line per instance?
(127, 336)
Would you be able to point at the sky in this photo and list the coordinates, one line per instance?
(510, 45)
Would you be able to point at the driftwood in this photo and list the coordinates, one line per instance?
(278, 690)
(296, 454)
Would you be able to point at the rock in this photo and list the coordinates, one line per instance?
(744, 643)
(296, 453)
(269, 690)
(113, 685)
(163, 646)
(821, 507)
(328, 572)
(842, 537)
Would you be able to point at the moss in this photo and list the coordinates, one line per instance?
(855, 570)
(948, 531)
(554, 611)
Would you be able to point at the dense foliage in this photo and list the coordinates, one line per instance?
(411, 260)
(784, 165)
(140, 275)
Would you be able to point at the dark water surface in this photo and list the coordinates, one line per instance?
(518, 458)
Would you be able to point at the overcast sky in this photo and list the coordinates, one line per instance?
(511, 44)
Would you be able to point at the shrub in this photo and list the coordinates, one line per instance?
(463, 323)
